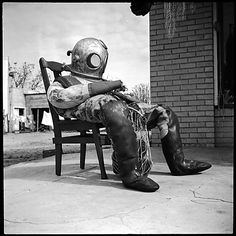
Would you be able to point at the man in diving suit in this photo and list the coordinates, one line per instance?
(85, 95)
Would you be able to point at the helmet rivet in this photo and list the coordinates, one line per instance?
(76, 57)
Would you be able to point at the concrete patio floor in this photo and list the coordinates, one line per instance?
(36, 201)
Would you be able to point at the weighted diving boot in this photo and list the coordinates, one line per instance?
(120, 130)
(172, 144)
(173, 152)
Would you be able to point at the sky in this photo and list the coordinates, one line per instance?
(49, 30)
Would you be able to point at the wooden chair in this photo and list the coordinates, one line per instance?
(72, 125)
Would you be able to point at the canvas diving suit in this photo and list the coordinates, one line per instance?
(85, 95)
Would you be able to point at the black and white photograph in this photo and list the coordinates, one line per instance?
(118, 117)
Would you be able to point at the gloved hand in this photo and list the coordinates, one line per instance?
(122, 88)
(104, 87)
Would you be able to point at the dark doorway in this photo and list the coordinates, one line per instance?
(38, 116)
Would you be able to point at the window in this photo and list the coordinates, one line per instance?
(21, 111)
(226, 55)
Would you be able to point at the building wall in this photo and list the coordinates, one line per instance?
(181, 70)
(35, 101)
(5, 86)
(16, 101)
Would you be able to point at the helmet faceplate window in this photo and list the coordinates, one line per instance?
(94, 61)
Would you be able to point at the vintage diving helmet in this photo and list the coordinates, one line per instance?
(89, 58)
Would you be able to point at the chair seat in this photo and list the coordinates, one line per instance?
(88, 138)
(77, 125)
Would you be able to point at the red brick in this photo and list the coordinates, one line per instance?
(196, 26)
(180, 71)
(197, 113)
(189, 86)
(180, 92)
(179, 39)
(188, 54)
(181, 81)
(195, 92)
(197, 124)
(160, 73)
(197, 135)
(165, 62)
(188, 97)
(172, 77)
(203, 20)
(195, 70)
(188, 44)
(196, 80)
(195, 103)
(188, 76)
(196, 59)
(193, 108)
(172, 88)
(179, 61)
(204, 86)
(179, 50)
(158, 89)
(205, 118)
(171, 46)
(168, 99)
(202, 108)
(204, 53)
(164, 93)
(207, 69)
(157, 37)
(195, 37)
(189, 119)
(171, 56)
(157, 47)
(204, 42)
(196, 49)
(187, 65)
(187, 22)
(172, 67)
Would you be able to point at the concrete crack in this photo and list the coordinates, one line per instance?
(208, 198)
(120, 215)
(21, 222)
(123, 213)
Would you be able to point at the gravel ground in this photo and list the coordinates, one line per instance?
(19, 147)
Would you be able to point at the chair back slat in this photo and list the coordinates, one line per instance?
(43, 67)
(56, 68)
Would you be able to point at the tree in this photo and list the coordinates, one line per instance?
(26, 76)
(36, 83)
(142, 92)
(20, 74)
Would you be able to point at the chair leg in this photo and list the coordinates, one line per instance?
(58, 158)
(82, 155)
(97, 140)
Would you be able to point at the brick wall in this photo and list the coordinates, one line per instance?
(181, 70)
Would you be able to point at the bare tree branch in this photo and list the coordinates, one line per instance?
(142, 92)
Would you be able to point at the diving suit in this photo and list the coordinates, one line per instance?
(86, 95)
